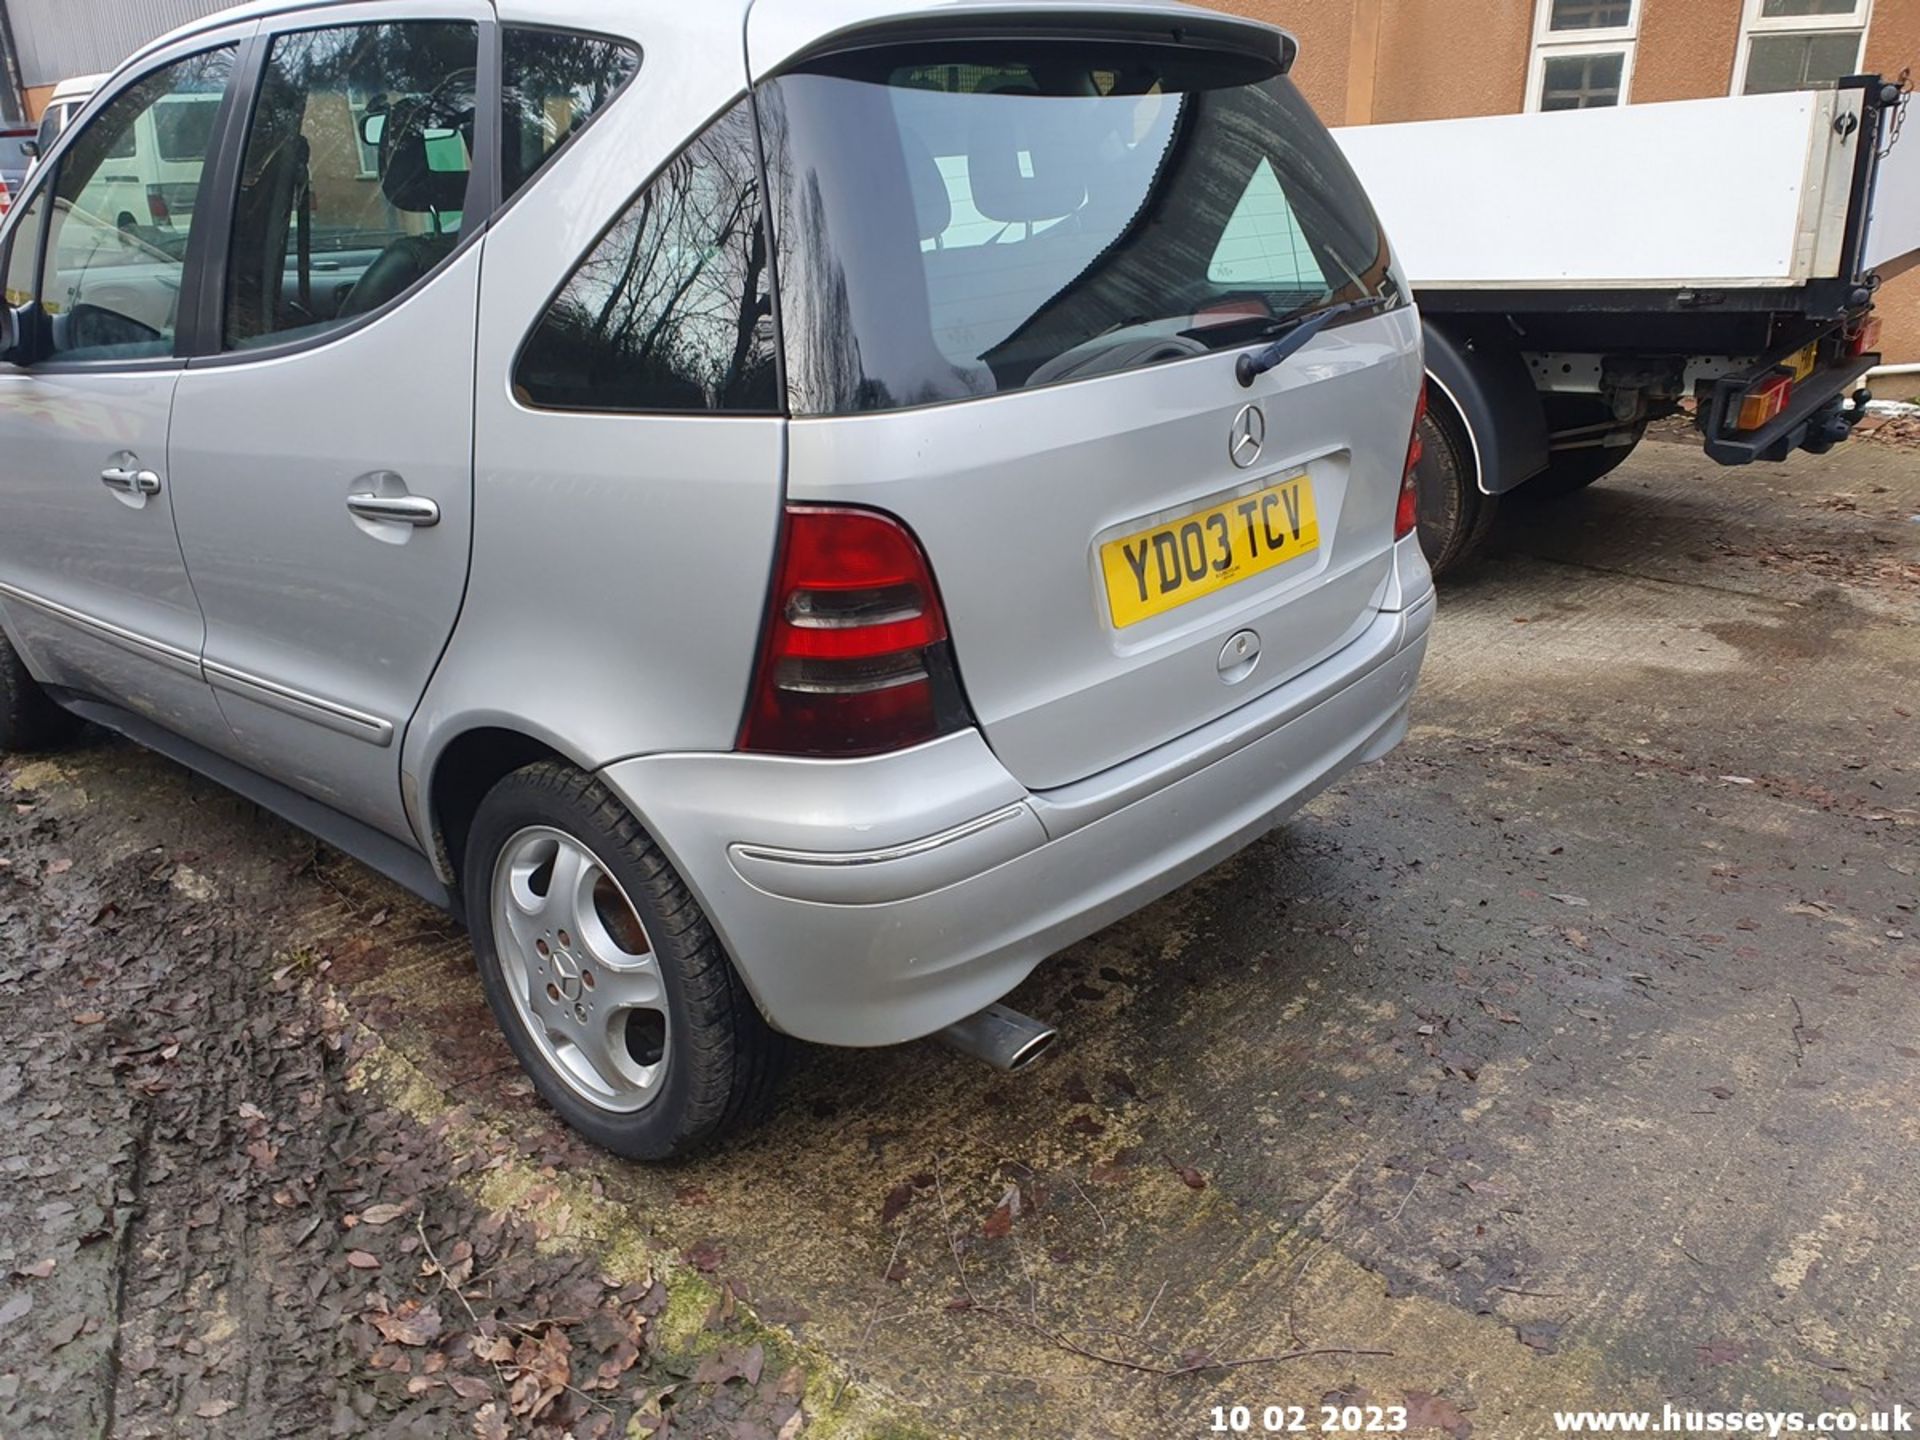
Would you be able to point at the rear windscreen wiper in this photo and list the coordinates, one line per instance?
(1295, 331)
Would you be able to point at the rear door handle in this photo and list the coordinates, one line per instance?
(395, 509)
(130, 482)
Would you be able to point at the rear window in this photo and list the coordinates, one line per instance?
(183, 127)
(970, 218)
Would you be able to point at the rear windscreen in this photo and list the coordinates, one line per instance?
(961, 219)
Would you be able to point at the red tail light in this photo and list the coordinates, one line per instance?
(855, 659)
(1406, 517)
(6, 197)
(1867, 338)
(157, 206)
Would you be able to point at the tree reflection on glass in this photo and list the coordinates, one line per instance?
(672, 310)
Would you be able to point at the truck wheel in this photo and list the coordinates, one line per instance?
(1571, 471)
(604, 973)
(28, 719)
(1454, 515)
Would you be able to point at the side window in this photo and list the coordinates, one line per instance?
(1263, 246)
(553, 82)
(122, 211)
(672, 310)
(353, 181)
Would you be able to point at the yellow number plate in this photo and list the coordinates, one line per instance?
(1167, 565)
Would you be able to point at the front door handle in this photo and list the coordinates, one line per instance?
(130, 482)
(395, 509)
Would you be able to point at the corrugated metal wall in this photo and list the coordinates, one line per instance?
(58, 38)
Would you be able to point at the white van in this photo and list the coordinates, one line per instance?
(65, 103)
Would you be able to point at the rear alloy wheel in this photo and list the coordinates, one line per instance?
(580, 969)
(28, 719)
(604, 973)
(1454, 515)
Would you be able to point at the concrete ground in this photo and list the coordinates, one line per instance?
(1567, 1058)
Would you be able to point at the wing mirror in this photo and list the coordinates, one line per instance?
(30, 148)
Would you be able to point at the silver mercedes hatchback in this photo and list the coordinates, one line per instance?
(781, 515)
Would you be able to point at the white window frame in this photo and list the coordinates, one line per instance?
(1551, 44)
(1753, 23)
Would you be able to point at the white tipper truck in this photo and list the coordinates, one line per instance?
(1582, 272)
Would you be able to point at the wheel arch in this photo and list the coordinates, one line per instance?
(1484, 381)
(460, 772)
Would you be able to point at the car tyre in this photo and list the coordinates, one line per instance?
(1455, 517)
(29, 720)
(557, 874)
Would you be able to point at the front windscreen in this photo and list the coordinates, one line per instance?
(958, 219)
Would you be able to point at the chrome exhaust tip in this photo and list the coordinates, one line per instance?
(1000, 1036)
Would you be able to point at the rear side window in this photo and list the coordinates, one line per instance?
(967, 218)
(672, 310)
(554, 81)
(354, 178)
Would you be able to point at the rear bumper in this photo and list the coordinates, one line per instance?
(873, 901)
(1791, 428)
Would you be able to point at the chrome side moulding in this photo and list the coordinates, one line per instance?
(338, 718)
(158, 651)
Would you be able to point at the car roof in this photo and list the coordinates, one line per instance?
(778, 30)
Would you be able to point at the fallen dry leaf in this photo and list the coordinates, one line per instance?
(404, 1327)
(214, 1409)
(381, 1214)
(1000, 1223)
(1428, 1411)
(724, 1365)
(361, 1260)
(1189, 1176)
(1721, 1351)
(897, 1201)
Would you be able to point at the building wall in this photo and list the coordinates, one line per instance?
(1893, 44)
(1687, 48)
(1378, 61)
(1324, 29)
(1443, 60)
(59, 38)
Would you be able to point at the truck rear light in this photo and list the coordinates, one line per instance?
(1867, 339)
(855, 659)
(157, 206)
(1764, 403)
(1406, 515)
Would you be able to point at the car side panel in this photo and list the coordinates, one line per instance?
(620, 562)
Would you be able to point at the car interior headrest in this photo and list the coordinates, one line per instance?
(932, 205)
(425, 159)
(1019, 172)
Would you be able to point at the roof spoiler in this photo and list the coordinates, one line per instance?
(781, 37)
